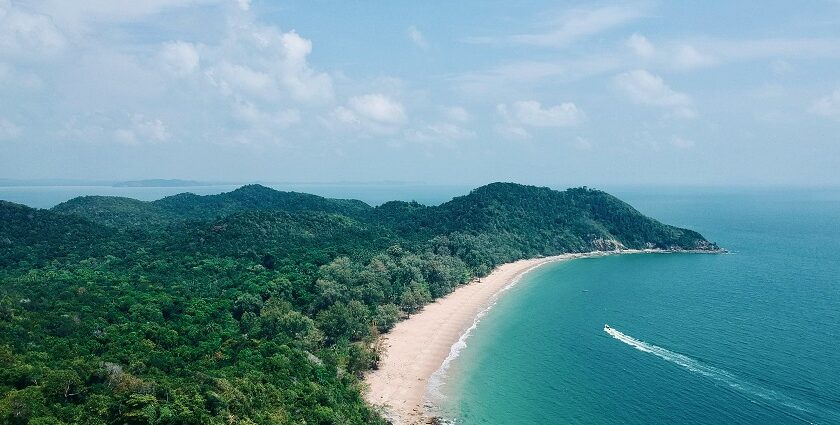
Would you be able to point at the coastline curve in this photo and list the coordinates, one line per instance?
(420, 348)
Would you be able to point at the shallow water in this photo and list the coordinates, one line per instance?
(747, 337)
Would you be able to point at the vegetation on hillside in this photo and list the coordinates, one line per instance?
(254, 306)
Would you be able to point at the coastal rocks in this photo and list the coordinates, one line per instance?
(602, 244)
(699, 246)
(704, 245)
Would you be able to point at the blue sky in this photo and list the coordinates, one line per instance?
(558, 93)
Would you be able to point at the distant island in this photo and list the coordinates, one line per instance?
(256, 306)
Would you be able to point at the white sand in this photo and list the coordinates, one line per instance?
(417, 347)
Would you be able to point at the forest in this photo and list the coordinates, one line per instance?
(255, 306)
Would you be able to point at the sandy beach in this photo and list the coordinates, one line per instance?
(417, 347)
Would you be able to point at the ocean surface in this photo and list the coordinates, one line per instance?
(751, 337)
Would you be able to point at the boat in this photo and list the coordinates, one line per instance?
(606, 327)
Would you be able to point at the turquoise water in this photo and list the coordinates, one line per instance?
(747, 337)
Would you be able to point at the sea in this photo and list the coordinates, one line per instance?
(747, 337)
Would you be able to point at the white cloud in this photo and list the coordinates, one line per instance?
(520, 115)
(86, 129)
(417, 37)
(179, 58)
(296, 74)
(648, 89)
(574, 25)
(378, 107)
(251, 77)
(509, 131)
(828, 106)
(641, 46)
(682, 112)
(739, 50)
(509, 78)
(583, 143)
(80, 16)
(532, 113)
(21, 80)
(371, 114)
(706, 52)
(8, 130)
(682, 143)
(232, 79)
(252, 115)
(142, 130)
(262, 124)
(688, 57)
(269, 64)
(644, 88)
(345, 115)
(456, 113)
(439, 133)
(244, 5)
(26, 33)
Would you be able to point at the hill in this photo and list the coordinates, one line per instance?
(515, 221)
(30, 237)
(125, 212)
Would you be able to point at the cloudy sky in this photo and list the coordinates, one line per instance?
(559, 93)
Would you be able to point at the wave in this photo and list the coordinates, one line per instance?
(774, 400)
(434, 393)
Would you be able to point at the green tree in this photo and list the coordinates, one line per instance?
(345, 321)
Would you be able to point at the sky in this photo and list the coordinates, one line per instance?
(466, 92)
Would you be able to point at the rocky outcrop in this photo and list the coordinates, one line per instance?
(602, 244)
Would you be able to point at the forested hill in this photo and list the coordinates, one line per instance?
(254, 306)
(118, 211)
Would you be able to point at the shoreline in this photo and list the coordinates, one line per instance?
(419, 349)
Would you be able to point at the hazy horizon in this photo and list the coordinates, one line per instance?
(62, 182)
(639, 93)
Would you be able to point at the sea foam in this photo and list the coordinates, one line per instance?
(434, 393)
(776, 400)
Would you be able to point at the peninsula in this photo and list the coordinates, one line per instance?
(270, 307)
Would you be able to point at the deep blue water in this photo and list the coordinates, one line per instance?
(747, 337)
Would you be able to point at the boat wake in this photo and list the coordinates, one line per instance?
(774, 400)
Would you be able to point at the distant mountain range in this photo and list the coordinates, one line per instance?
(183, 183)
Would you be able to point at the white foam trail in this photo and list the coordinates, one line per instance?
(682, 360)
(433, 389)
(720, 375)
